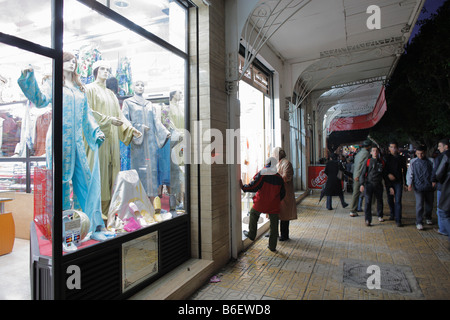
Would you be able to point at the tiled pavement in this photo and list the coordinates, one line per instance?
(310, 265)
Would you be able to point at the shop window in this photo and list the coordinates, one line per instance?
(163, 18)
(27, 19)
(123, 117)
(23, 126)
(118, 173)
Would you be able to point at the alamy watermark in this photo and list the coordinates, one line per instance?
(374, 280)
(74, 280)
(374, 21)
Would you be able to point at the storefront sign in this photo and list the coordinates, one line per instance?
(316, 177)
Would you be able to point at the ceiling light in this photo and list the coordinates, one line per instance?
(121, 4)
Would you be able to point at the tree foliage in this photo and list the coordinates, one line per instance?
(418, 93)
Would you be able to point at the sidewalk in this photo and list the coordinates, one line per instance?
(328, 257)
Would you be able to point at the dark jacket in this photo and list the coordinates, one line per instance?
(333, 186)
(421, 171)
(269, 192)
(396, 165)
(437, 162)
(374, 172)
(443, 176)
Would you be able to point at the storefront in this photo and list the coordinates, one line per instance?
(94, 101)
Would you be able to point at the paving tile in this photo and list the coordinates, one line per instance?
(309, 266)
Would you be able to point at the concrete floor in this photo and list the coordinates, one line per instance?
(311, 266)
(15, 272)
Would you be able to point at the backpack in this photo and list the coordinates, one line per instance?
(422, 172)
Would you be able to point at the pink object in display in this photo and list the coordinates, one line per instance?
(131, 225)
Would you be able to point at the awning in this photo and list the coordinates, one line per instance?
(363, 121)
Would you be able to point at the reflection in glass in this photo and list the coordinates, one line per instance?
(27, 19)
(164, 18)
(139, 260)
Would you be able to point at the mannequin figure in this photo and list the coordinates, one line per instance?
(176, 116)
(143, 116)
(78, 121)
(106, 110)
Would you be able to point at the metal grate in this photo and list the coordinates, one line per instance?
(174, 244)
(100, 277)
(393, 278)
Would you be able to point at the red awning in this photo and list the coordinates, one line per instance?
(364, 121)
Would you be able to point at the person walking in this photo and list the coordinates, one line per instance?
(333, 186)
(419, 178)
(443, 176)
(442, 147)
(396, 172)
(358, 165)
(371, 179)
(288, 207)
(270, 191)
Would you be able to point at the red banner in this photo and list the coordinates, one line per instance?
(361, 122)
(316, 177)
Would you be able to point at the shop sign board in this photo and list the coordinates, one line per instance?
(316, 177)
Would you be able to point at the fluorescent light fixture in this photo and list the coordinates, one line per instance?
(121, 4)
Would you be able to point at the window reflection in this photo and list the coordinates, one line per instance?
(164, 18)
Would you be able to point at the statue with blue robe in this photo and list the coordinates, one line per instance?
(145, 117)
(78, 123)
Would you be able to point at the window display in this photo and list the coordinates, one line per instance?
(110, 76)
(96, 147)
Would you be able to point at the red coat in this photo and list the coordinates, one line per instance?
(269, 192)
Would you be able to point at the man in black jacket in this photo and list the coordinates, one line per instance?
(372, 176)
(443, 176)
(442, 147)
(396, 173)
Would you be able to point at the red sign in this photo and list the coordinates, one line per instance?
(316, 177)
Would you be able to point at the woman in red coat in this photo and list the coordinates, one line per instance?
(269, 188)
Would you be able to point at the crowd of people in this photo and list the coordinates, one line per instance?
(369, 172)
(366, 174)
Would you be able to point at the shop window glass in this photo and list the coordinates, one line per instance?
(27, 19)
(20, 130)
(123, 120)
(164, 18)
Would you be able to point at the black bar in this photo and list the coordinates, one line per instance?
(199, 134)
(57, 146)
(27, 45)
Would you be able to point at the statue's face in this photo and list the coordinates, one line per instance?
(70, 65)
(103, 73)
(139, 88)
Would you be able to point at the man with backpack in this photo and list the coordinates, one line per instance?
(371, 180)
(419, 177)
